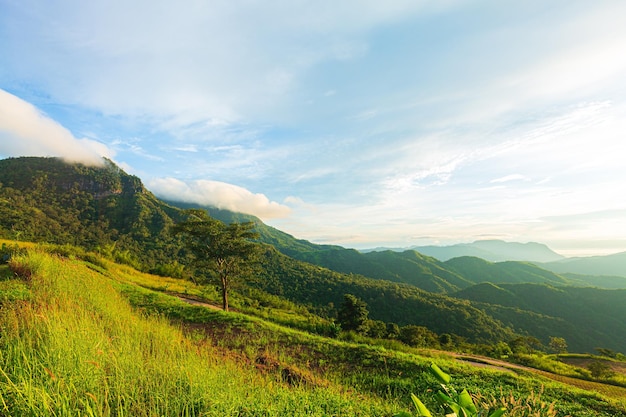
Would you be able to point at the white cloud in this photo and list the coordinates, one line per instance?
(227, 61)
(26, 131)
(507, 178)
(218, 194)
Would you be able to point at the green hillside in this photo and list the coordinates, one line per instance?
(563, 311)
(390, 302)
(609, 265)
(105, 210)
(478, 270)
(82, 338)
(47, 200)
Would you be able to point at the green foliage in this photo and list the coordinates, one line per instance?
(525, 345)
(222, 251)
(558, 344)
(584, 317)
(530, 406)
(477, 270)
(322, 289)
(455, 404)
(600, 369)
(377, 329)
(418, 336)
(48, 200)
(11, 289)
(7, 251)
(353, 314)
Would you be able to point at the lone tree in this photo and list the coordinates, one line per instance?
(225, 252)
(353, 314)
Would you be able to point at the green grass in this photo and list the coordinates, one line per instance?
(78, 348)
(99, 339)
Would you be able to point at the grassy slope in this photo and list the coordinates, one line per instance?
(72, 344)
(76, 346)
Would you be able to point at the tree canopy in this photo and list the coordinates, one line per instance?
(353, 314)
(222, 252)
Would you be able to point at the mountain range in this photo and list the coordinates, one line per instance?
(490, 250)
(104, 209)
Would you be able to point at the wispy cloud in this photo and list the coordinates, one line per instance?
(204, 61)
(507, 178)
(218, 194)
(26, 131)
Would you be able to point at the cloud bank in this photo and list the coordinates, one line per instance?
(218, 194)
(25, 131)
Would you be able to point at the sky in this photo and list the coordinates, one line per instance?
(358, 123)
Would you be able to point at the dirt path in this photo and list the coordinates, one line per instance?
(482, 361)
(195, 302)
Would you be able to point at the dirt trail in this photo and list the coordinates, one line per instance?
(195, 302)
(482, 361)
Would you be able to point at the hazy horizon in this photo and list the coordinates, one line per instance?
(361, 124)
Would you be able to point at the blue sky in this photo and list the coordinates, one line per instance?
(359, 123)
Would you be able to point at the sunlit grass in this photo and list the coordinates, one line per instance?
(77, 347)
(90, 337)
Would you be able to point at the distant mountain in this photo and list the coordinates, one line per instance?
(490, 250)
(478, 270)
(600, 312)
(601, 281)
(612, 265)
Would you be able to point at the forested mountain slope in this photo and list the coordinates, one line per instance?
(591, 317)
(477, 270)
(610, 265)
(106, 210)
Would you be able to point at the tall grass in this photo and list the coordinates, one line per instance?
(71, 344)
(76, 347)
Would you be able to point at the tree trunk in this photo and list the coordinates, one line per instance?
(224, 294)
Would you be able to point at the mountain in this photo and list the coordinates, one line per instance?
(408, 267)
(491, 250)
(611, 265)
(104, 209)
(98, 208)
(477, 270)
(282, 241)
(591, 317)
